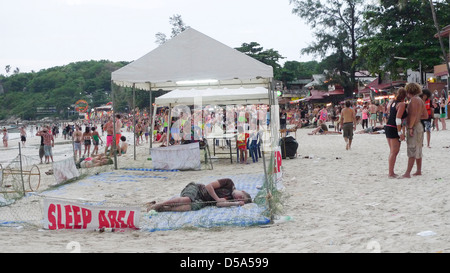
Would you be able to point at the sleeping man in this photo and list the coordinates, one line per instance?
(221, 193)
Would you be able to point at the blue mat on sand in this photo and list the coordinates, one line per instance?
(248, 215)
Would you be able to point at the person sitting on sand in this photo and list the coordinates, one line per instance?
(124, 146)
(322, 129)
(221, 193)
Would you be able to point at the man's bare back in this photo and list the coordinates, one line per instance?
(348, 115)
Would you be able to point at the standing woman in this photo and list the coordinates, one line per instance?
(87, 137)
(437, 114)
(365, 117)
(5, 137)
(443, 113)
(393, 128)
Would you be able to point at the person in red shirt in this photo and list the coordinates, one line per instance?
(426, 95)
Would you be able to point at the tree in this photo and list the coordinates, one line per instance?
(400, 31)
(294, 70)
(57, 86)
(446, 59)
(178, 26)
(337, 25)
(270, 57)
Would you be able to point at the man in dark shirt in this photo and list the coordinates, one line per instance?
(221, 193)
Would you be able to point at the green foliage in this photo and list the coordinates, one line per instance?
(58, 87)
(270, 57)
(337, 29)
(405, 31)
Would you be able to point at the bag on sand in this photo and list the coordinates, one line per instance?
(288, 147)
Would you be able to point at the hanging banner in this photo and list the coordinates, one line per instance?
(278, 161)
(60, 214)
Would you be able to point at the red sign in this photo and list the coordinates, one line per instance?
(66, 215)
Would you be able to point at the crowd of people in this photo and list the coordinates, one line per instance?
(397, 118)
(412, 114)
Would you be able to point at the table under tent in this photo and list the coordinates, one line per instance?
(218, 101)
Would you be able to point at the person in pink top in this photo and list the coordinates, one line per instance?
(365, 116)
(323, 114)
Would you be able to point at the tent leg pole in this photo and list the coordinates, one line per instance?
(153, 124)
(134, 119)
(169, 123)
(151, 113)
(113, 146)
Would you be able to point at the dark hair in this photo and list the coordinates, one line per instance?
(427, 93)
(123, 138)
(248, 197)
(401, 94)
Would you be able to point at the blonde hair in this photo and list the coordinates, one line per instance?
(413, 89)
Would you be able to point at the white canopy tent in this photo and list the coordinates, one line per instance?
(192, 59)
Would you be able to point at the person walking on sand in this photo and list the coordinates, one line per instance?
(348, 124)
(23, 136)
(77, 138)
(393, 129)
(415, 131)
(5, 137)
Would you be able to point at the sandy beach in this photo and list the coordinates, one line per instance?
(339, 201)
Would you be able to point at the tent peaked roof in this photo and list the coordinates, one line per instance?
(193, 56)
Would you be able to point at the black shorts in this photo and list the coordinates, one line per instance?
(391, 132)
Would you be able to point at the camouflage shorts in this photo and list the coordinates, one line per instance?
(193, 192)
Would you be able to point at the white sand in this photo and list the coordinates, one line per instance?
(340, 201)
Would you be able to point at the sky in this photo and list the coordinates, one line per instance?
(39, 34)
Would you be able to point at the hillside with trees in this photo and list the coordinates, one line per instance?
(57, 89)
(53, 92)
